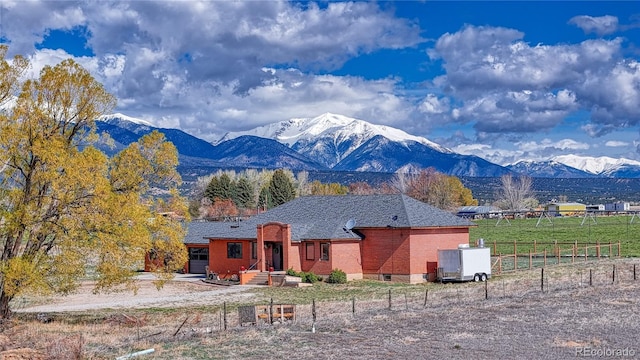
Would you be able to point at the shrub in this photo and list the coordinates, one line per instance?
(307, 277)
(310, 277)
(337, 276)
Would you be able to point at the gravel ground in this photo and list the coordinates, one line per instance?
(184, 290)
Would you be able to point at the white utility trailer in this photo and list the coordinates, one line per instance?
(464, 264)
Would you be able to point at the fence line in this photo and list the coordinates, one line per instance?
(517, 261)
(392, 302)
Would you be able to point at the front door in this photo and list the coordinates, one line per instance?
(277, 256)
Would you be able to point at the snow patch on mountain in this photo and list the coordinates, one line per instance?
(119, 116)
(291, 131)
(330, 137)
(595, 165)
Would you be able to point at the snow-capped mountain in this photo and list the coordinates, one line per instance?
(547, 169)
(119, 117)
(380, 154)
(601, 166)
(330, 138)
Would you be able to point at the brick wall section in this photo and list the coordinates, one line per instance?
(406, 251)
(343, 254)
(218, 261)
(425, 243)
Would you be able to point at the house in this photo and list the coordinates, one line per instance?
(386, 237)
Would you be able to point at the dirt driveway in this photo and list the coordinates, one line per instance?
(184, 290)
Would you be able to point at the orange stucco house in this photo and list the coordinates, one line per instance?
(384, 237)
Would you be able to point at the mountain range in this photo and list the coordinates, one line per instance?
(332, 142)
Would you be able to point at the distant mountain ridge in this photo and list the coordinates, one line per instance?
(346, 144)
(332, 142)
(330, 137)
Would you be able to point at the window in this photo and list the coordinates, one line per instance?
(311, 251)
(234, 250)
(324, 250)
(254, 250)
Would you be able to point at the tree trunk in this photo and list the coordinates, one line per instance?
(5, 312)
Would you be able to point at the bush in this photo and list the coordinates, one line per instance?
(337, 276)
(310, 277)
(307, 277)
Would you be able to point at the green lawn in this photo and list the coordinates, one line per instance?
(545, 232)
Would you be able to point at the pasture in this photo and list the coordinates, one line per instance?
(547, 232)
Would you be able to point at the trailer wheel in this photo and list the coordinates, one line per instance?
(476, 277)
(483, 277)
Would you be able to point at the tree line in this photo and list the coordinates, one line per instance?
(229, 194)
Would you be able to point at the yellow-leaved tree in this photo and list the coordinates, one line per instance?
(67, 211)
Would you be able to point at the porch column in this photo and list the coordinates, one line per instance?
(286, 245)
(261, 252)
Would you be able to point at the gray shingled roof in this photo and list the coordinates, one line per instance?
(325, 217)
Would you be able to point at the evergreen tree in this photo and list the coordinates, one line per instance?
(281, 189)
(213, 189)
(244, 194)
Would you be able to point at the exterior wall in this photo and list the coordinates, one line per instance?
(294, 257)
(218, 261)
(404, 253)
(385, 251)
(343, 254)
(425, 244)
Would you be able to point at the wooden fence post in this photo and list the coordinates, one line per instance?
(613, 275)
(610, 251)
(542, 280)
(271, 311)
(586, 252)
(486, 290)
(353, 306)
(389, 299)
(426, 296)
(634, 271)
(495, 247)
(313, 310)
(224, 308)
(590, 277)
(618, 248)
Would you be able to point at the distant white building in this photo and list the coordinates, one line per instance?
(618, 206)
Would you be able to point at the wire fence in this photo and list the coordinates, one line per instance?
(539, 282)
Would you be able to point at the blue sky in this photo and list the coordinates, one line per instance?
(502, 80)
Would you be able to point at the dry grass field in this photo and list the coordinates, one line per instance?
(517, 319)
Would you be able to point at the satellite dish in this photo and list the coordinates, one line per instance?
(350, 224)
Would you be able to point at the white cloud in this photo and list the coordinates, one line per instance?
(601, 25)
(615, 143)
(545, 144)
(507, 85)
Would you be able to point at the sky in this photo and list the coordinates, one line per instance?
(506, 81)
